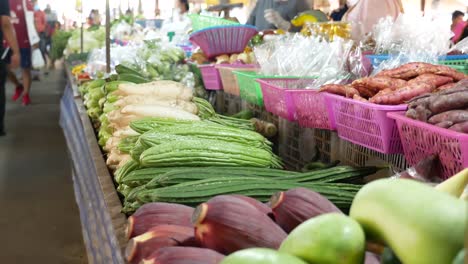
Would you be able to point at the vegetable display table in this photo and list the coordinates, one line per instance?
(102, 222)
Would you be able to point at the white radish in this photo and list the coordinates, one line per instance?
(125, 132)
(125, 159)
(162, 89)
(154, 100)
(158, 111)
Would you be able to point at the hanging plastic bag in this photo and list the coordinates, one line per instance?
(37, 59)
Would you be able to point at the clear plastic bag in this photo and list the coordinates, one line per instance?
(300, 56)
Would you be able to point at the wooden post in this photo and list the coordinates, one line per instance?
(82, 29)
(156, 7)
(108, 58)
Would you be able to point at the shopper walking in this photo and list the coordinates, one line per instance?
(40, 22)
(18, 19)
(8, 33)
(337, 15)
(458, 25)
(276, 14)
(51, 18)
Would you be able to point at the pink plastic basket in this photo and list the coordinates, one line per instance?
(313, 109)
(277, 95)
(220, 40)
(366, 124)
(420, 140)
(211, 77)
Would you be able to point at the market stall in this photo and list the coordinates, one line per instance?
(204, 154)
(103, 224)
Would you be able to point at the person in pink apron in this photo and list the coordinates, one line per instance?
(458, 25)
(366, 13)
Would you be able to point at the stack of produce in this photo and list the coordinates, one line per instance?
(93, 38)
(129, 96)
(59, 44)
(191, 186)
(300, 226)
(399, 85)
(447, 108)
(165, 99)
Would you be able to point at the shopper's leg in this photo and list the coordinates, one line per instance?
(18, 86)
(26, 80)
(12, 77)
(27, 86)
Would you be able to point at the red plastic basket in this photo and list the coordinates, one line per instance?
(277, 95)
(366, 124)
(229, 79)
(313, 109)
(220, 40)
(211, 77)
(420, 140)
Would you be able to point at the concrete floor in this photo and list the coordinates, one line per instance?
(39, 219)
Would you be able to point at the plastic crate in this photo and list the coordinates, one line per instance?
(420, 140)
(366, 124)
(220, 40)
(211, 77)
(249, 89)
(313, 109)
(200, 22)
(228, 104)
(229, 79)
(459, 65)
(376, 60)
(458, 62)
(277, 94)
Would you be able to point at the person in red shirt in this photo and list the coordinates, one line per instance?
(18, 19)
(40, 22)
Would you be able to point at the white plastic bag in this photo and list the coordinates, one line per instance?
(32, 33)
(37, 59)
